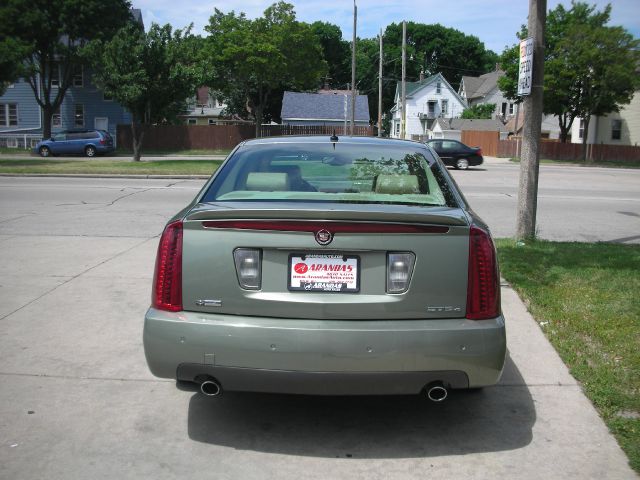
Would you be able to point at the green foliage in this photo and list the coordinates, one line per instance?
(256, 59)
(590, 68)
(586, 294)
(335, 51)
(484, 110)
(151, 74)
(52, 36)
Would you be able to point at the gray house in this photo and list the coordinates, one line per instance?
(484, 89)
(326, 109)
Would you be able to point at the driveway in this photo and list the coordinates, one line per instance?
(77, 400)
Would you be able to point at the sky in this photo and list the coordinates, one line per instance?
(494, 22)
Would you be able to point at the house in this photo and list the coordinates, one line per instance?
(452, 128)
(205, 108)
(83, 106)
(484, 89)
(325, 109)
(549, 127)
(617, 128)
(427, 99)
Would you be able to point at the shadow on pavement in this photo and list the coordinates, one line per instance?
(492, 419)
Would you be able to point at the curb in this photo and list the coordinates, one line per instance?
(107, 175)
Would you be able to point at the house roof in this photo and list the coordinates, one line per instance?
(315, 106)
(478, 87)
(414, 87)
(485, 125)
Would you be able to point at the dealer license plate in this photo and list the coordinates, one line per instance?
(324, 273)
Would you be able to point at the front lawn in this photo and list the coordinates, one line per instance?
(586, 299)
(106, 167)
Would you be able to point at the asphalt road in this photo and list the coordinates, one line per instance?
(77, 400)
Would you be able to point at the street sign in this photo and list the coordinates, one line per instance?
(526, 67)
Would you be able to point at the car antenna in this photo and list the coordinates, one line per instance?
(334, 138)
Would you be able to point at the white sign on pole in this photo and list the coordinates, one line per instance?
(526, 67)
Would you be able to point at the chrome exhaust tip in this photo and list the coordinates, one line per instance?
(436, 392)
(210, 388)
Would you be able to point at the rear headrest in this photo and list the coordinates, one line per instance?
(292, 170)
(397, 184)
(267, 182)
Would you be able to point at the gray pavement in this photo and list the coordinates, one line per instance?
(77, 400)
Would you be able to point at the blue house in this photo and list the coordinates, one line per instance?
(83, 106)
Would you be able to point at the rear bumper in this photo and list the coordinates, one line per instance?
(335, 357)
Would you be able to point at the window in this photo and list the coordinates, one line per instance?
(444, 107)
(191, 121)
(616, 129)
(511, 109)
(581, 129)
(8, 114)
(212, 121)
(431, 107)
(504, 109)
(78, 115)
(78, 76)
(220, 103)
(438, 87)
(56, 118)
(397, 128)
(55, 74)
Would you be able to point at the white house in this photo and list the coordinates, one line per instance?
(617, 128)
(484, 89)
(428, 99)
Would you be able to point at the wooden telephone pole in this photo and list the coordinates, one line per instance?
(530, 160)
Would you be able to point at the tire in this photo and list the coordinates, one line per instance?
(90, 151)
(462, 164)
(44, 151)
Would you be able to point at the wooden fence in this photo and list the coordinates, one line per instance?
(573, 151)
(487, 141)
(212, 137)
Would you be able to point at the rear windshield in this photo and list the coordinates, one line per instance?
(344, 173)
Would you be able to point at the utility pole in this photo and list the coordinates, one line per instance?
(403, 119)
(380, 90)
(530, 160)
(353, 69)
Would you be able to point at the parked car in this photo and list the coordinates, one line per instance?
(317, 265)
(456, 154)
(76, 142)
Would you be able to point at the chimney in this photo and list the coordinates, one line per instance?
(421, 74)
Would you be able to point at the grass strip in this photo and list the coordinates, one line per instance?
(580, 163)
(105, 167)
(585, 298)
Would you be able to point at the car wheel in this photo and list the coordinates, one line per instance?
(462, 164)
(90, 151)
(44, 151)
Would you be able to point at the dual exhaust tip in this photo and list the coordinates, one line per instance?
(436, 391)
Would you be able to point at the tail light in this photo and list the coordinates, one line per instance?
(479, 152)
(483, 289)
(248, 267)
(102, 141)
(399, 270)
(167, 279)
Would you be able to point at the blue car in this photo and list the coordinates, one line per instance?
(76, 142)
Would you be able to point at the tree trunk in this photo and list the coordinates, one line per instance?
(47, 113)
(137, 135)
(585, 135)
(258, 112)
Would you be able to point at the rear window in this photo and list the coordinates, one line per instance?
(344, 173)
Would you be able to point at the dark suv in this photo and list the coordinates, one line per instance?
(78, 142)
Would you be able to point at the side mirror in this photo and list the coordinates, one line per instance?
(52, 139)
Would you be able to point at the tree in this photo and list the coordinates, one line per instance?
(53, 37)
(431, 48)
(589, 66)
(335, 51)
(151, 74)
(484, 110)
(256, 59)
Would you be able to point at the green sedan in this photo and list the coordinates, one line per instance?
(327, 266)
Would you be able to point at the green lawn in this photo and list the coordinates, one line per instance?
(586, 299)
(162, 167)
(188, 152)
